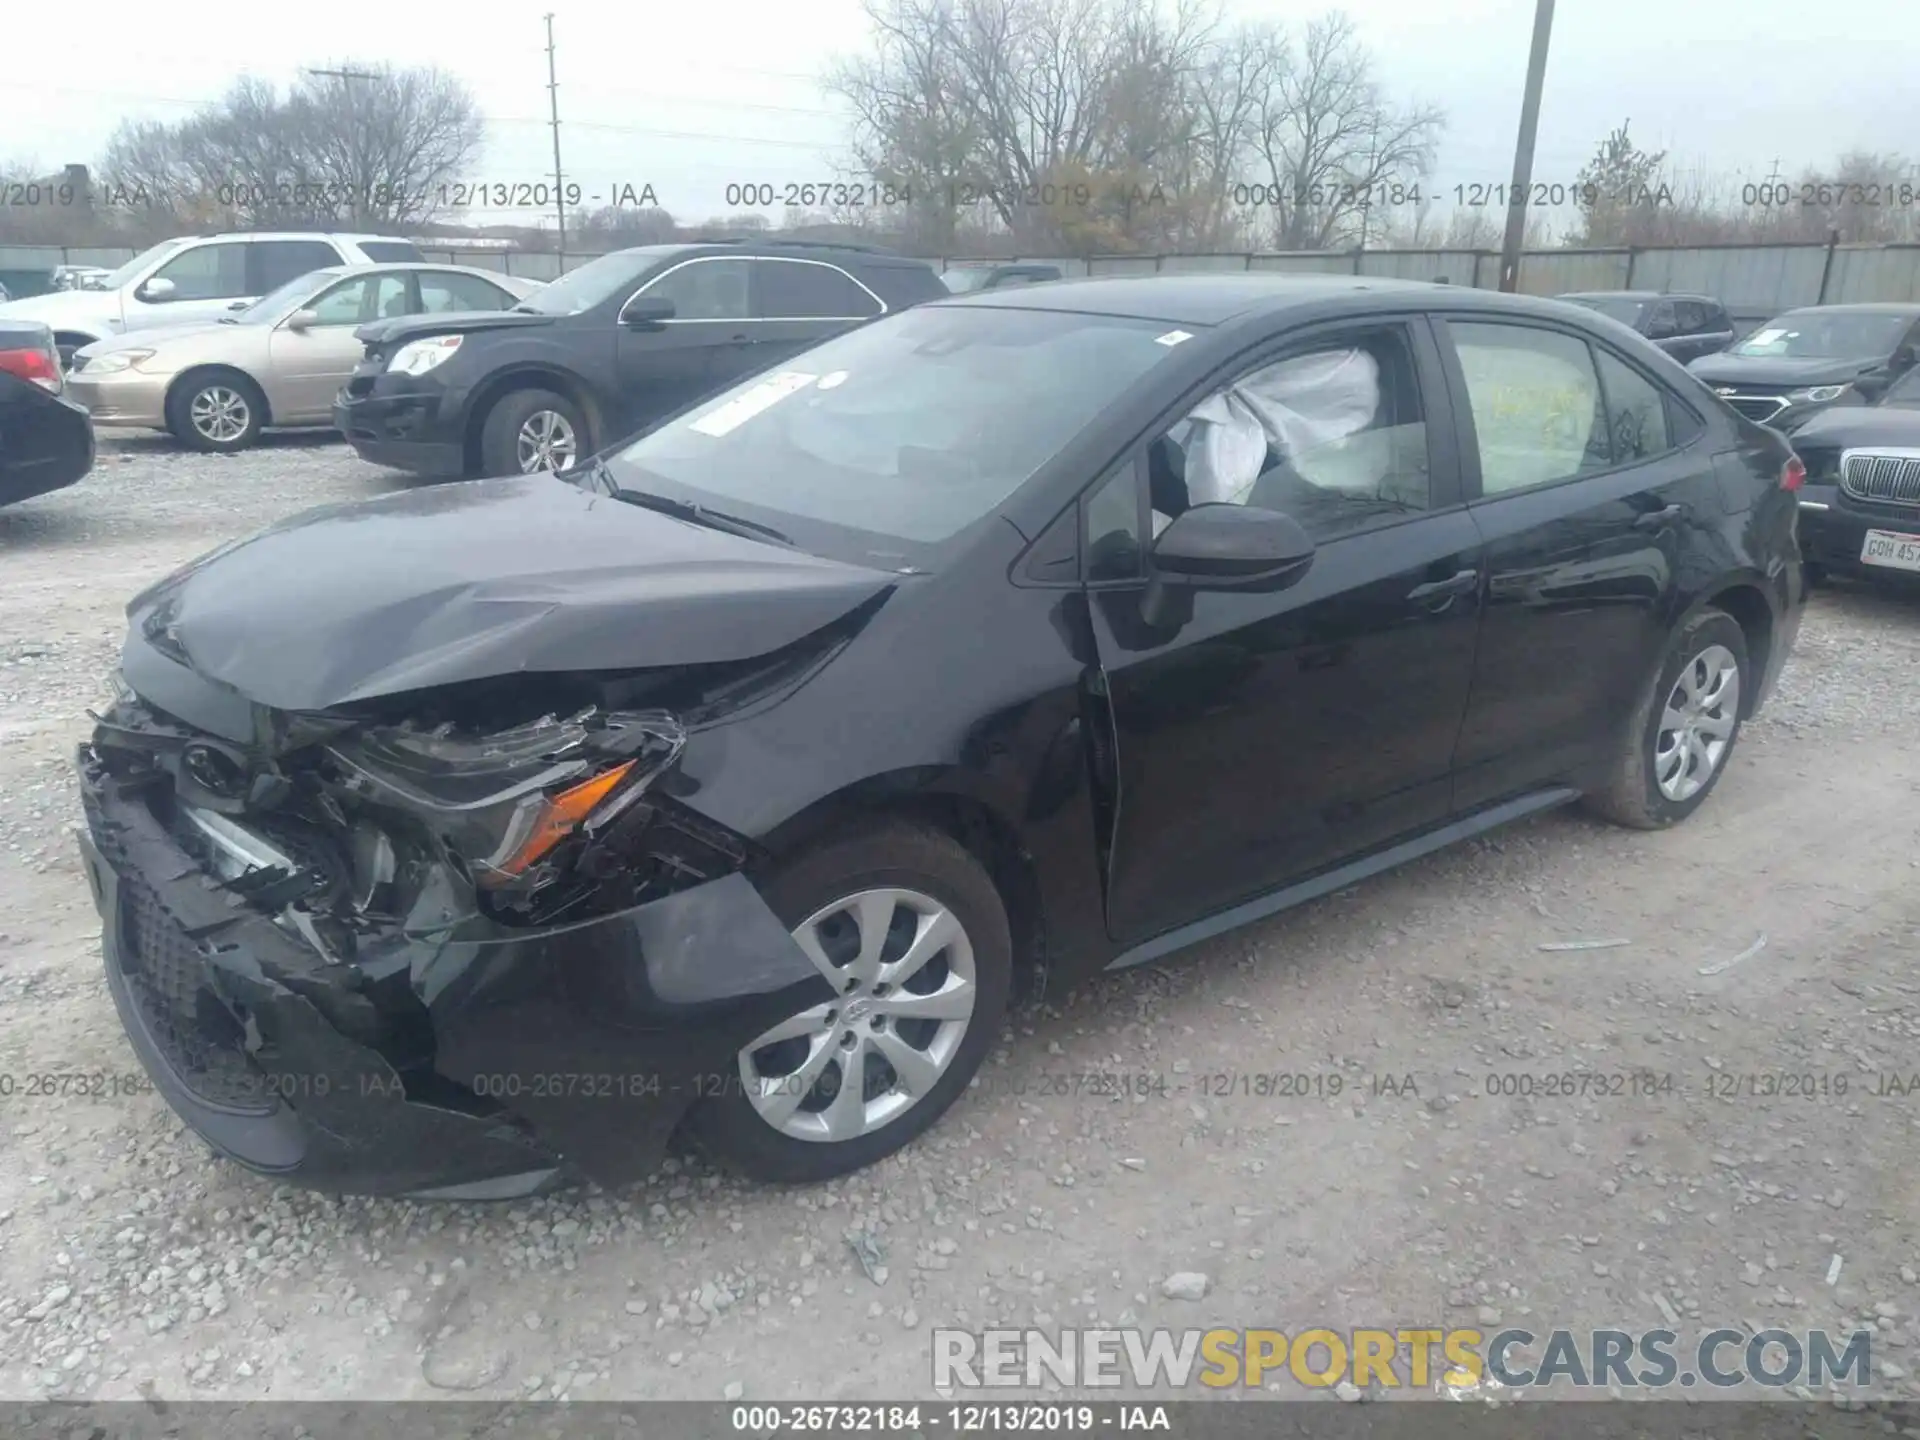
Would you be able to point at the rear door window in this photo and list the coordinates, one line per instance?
(1535, 397)
(809, 290)
(272, 263)
(445, 290)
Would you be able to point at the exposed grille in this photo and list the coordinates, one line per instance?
(167, 976)
(1891, 477)
(1758, 407)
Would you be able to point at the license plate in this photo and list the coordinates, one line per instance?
(1891, 549)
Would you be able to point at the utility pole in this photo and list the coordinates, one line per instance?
(559, 191)
(1523, 148)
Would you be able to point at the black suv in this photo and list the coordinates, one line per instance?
(1799, 363)
(605, 351)
(1685, 326)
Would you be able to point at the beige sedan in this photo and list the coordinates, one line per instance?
(275, 363)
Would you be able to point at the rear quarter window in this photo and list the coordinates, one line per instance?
(384, 251)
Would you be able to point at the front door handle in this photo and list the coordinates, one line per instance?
(1459, 584)
(1660, 519)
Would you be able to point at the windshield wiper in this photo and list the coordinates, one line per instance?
(602, 480)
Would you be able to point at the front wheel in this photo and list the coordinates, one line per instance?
(912, 940)
(530, 431)
(217, 412)
(1683, 730)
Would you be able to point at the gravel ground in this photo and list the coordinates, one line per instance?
(132, 1262)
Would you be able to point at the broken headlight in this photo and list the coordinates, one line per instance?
(502, 801)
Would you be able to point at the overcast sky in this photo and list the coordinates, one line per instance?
(690, 98)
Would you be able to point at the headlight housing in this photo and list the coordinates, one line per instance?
(503, 801)
(1817, 394)
(417, 357)
(114, 361)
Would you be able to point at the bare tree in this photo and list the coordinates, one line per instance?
(372, 149)
(1328, 143)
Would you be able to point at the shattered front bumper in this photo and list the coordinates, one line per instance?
(517, 1059)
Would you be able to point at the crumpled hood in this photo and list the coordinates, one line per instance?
(1846, 426)
(1747, 370)
(460, 582)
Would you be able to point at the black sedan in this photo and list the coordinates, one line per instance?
(1860, 508)
(46, 440)
(471, 840)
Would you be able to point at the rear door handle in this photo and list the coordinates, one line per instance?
(1660, 519)
(1446, 589)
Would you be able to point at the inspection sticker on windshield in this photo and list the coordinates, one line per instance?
(1766, 337)
(1172, 338)
(764, 396)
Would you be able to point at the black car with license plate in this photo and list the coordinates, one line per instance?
(1860, 506)
(477, 838)
(606, 350)
(1800, 363)
(46, 440)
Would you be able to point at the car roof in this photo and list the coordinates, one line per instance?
(1635, 295)
(1881, 308)
(1218, 299)
(369, 267)
(347, 235)
(838, 253)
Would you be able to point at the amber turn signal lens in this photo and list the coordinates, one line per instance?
(562, 816)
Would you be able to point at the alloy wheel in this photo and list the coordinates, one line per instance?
(220, 413)
(546, 442)
(902, 970)
(1697, 724)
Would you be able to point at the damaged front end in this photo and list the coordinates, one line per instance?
(462, 944)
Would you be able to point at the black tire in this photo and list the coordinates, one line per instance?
(887, 854)
(1632, 795)
(189, 389)
(1815, 573)
(500, 432)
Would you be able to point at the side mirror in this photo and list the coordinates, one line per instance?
(645, 310)
(157, 289)
(302, 320)
(1901, 359)
(1232, 547)
(1662, 329)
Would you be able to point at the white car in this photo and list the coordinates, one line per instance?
(195, 279)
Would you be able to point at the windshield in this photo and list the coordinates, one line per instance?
(1827, 335)
(140, 262)
(593, 283)
(276, 305)
(960, 282)
(1904, 393)
(913, 427)
(1627, 312)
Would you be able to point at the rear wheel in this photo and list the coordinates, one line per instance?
(219, 411)
(1683, 730)
(530, 431)
(911, 936)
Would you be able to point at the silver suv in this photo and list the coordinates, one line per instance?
(195, 279)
